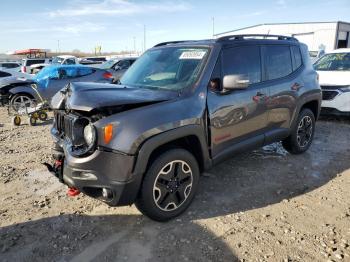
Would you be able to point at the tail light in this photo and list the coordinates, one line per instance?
(24, 69)
(107, 75)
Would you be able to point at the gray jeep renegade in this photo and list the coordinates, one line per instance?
(181, 108)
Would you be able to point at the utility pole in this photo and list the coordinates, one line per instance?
(144, 38)
(58, 46)
(213, 20)
(134, 44)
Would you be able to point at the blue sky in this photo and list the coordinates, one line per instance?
(113, 24)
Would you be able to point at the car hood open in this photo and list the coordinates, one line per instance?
(89, 96)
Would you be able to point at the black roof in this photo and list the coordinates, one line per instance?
(230, 39)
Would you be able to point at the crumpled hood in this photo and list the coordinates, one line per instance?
(328, 78)
(88, 96)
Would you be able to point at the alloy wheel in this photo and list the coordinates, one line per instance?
(173, 185)
(304, 132)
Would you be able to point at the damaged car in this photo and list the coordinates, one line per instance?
(181, 108)
(49, 81)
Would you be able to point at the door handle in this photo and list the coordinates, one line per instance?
(296, 86)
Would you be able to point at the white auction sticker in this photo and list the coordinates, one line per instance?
(192, 55)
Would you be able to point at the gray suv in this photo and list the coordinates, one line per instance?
(181, 108)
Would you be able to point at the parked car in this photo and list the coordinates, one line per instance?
(148, 139)
(117, 66)
(92, 60)
(14, 66)
(8, 80)
(50, 80)
(57, 60)
(28, 63)
(334, 72)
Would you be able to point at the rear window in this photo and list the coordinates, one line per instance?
(297, 57)
(278, 62)
(34, 62)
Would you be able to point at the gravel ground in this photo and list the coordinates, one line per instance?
(265, 205)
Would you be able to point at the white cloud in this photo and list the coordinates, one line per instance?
(76, 29)
(281, 3)
(118, 7)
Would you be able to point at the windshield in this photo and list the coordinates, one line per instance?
(108, 64)
(169, 68)
(334, 62)
(57, 60)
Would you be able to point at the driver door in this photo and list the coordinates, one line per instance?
(238, 118)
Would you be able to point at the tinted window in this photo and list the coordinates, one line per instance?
(244, 60)
(10, 65)
(297, 57)
(4, 74)
(69, 61)
(34, 62)
(278, 61)
(124, 64)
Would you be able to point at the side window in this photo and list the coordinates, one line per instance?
(297, 57)
(278, 62)
(124, 64)
(69, 61)
(244, 60)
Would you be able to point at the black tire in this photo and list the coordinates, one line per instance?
(302, 133)
(43, 116)
(176, 185)
(32, 120)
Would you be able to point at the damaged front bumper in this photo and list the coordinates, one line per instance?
(104, 175)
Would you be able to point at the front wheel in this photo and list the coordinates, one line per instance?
(169, 185)
(302, 134)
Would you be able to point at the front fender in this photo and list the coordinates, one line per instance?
(26, 89)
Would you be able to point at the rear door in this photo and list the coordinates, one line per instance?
(239, 117)
(282, 75)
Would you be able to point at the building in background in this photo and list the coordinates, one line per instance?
(318, 36)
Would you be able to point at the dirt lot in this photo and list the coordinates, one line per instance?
(264, 205)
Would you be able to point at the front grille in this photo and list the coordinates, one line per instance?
(64, 124)
(328, 94)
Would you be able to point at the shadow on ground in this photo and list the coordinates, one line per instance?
(248, 181)
(110, 238)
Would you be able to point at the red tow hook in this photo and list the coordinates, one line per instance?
(72, 192)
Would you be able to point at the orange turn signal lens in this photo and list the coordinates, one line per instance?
(108, 133)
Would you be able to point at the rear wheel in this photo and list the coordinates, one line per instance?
(302, 134)
(169, 185)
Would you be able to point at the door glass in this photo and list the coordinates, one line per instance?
(244, 60)
(297, 57)
(278, 62)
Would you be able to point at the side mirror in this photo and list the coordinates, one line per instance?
(231, 82)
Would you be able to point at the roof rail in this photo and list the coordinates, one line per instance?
(170, 42)
(259, 36)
